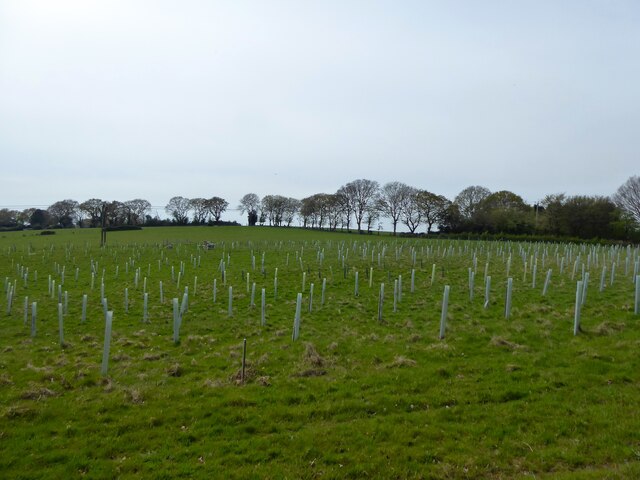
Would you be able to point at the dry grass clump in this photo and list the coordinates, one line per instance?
(400, 361)
(608, 328)
(503, 343)
(174, 370)
(153, 356)
(133, 395)
(38, 392)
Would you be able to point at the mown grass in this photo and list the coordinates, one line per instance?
(352, 398)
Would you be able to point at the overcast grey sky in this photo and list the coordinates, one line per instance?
(152, 99)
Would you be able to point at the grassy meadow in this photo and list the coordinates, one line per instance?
(353, 396)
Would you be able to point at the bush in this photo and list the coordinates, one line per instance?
(47, 232)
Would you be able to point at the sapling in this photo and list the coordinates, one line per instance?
(296, 320)
(161, 293)
(507, 306)
(603, 275)
(578, 307)
(443, 315)
(263, 306)
(253, 294)
(413, 280)
(145, 313)
(34, 312)
(61, 324)
(636, 308)
(324, 287)
(84, 308)
(310, 297)
(356, 285)
(433, 273)
(395, 295)
(380, 301)
(107, 343)
(487, 290)
(26, 310)
(126, 300)
(546, 283)
(230, 307)
(176, 321)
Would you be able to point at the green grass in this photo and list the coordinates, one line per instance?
(352, 398)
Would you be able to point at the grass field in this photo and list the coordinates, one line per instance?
(353, 397)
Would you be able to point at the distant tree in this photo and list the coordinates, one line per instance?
(627, 198)
(359, 195)
(8, 218)
(64, 212)
(200, 210)
(93, 209)
(393, 195)
(116, 213)
(309, 211)
(178, 208)
(469, 199)
(250, 204)
(333, 209)
(291, 209)
(503, 211)
(274, 208)
(411, 213)
(40, 218)
(137, 210)
(216, 207)
(432, 207)
(24, 217)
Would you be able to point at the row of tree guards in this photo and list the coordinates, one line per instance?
(581, 259)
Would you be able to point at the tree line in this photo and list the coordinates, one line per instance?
(362, 204)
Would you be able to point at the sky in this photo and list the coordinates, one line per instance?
(125, 99)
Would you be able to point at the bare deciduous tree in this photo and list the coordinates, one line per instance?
(178, 208)
(627, 197)
(392, 196)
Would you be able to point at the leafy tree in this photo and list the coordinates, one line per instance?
(116, 213)
(8, 218)
(216, 207)
(64, 212)
(432, 207)
(503, 211)
(250, 204)
(469, 199)
(40, 218)
(92, 208)
(393, 195)
(179, 207)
